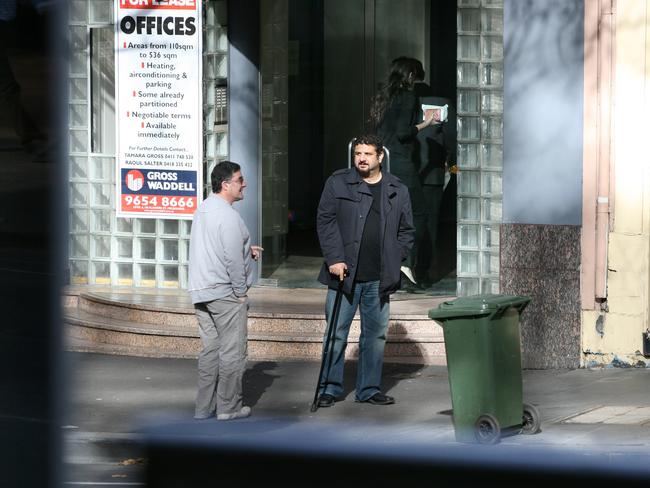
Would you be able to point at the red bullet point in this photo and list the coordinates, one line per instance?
(125, 45)
(133, 92)
(143, 125)
(128, 114)
(143, 65)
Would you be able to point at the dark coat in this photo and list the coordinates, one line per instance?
(342, 211)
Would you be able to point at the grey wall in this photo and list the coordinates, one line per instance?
(543, 111)
(243, 105)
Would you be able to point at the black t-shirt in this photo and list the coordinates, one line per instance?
(369, 265)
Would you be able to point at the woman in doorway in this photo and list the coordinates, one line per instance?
(395, 114)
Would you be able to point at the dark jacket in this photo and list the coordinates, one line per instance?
(397, 131)
(342, 212)
(435, 145)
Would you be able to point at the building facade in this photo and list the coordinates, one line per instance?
(551, 195)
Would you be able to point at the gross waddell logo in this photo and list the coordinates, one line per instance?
(134, 180)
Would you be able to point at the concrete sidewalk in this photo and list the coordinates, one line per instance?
(602, 416)
(115, 397)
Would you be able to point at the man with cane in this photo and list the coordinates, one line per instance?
(365, 229)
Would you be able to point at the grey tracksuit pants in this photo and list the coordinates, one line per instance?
(222, 361)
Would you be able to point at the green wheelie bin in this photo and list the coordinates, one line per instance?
(482, 343)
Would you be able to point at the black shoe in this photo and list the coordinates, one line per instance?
(326, 400)
(380, 399)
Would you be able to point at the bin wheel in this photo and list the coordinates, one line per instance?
(487, 429)
(531, 420)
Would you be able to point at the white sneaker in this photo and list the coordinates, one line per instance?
(243, 413)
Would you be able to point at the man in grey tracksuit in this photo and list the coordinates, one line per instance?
(220, 275)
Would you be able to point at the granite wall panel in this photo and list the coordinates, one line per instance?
(543, 262)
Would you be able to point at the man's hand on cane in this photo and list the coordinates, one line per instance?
(339, 269)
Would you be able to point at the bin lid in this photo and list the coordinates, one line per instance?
(477, 306)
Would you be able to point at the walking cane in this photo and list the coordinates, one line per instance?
(329, 341)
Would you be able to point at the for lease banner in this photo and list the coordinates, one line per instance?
(158, 108)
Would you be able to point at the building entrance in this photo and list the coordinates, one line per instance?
(321, 64)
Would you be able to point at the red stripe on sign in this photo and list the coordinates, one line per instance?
(159, 4)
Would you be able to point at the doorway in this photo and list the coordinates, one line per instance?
(321, 63)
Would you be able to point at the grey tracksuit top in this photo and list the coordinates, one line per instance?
(220, 254)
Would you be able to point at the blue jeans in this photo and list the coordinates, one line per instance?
(374, 311)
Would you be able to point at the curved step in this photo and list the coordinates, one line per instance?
(164, 327)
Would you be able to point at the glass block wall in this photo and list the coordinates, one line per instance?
(104, 249)
(480, 144)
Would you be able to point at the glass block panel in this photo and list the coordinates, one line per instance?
(124, 247)
(492, 155)
(222, 144)
(492, 128)
(78, 115)
(468, 287)
(209, 13)
(210, 40)
(147, 248)
(186, 227)
(170, 227)
(78, 141)
(468, 156)
(469, 209)
(492, 101)
(209, 91)
(469, 183)
(78, 193)
(210, 145)
(469, 48)
(101, 194)
(79, 220)
(491, 183)
(492, 3)
(78, 37)
(492, 74)
(147, 226)
(468, 236)
(78, 89)
(79, 272)
(101, 220)
(490, 264)
(492, 210)
(467, 74)
(78, 167)
(170, 250)
(78, 10)
(208, 117)
(468, 101)
(469, 20)
(79, 246)
(78, 64)
(468, 3)
(492, 48)
(102, 169)
(490, 236)
(489, 286)
(125, 274)
(222, 39)
(468, 262)
(147, 275)
(102, 273)
(101, 246)
(170, 276)
(184, 250)
(124, 225)
(492, 20)
(469, 128)
(101, 11)
(183, 276)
